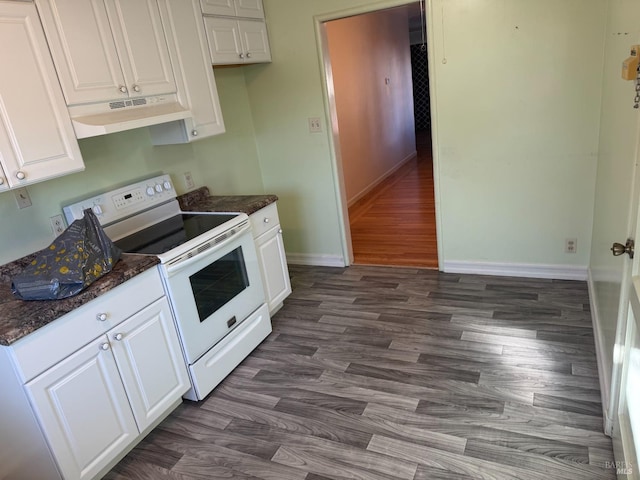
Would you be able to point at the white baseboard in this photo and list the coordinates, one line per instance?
(317, 260)
(559, 272)
(600, 349)
(381, 179)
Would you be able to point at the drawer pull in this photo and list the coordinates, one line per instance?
(105, 346)
(101, 317)
(118, 336)
(266, 220)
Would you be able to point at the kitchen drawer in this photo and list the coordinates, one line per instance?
(48, 345)
(264, 220)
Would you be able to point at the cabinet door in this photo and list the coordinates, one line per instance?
(83, 409)
(273, 263)
(194, 76)
(249, 8)
(218, 7)
(148, 354)
(141, 46)
(255, 41)
(36, 137)
(83, 50)
(225, 43)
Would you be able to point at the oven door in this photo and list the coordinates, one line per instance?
(214, 291)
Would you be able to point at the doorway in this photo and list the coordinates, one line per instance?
(382, 136)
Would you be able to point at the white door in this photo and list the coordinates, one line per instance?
(142, 48)
(627, 425)
(36, 137)
(225, 44)
(148, 354)
(83, 409)
(83, 50)
(275, 273)
(255, 41)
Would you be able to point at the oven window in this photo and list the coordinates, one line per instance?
(219, 282)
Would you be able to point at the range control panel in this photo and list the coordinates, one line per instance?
(125, 201)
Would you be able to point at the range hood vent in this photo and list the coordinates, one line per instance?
(126, 114)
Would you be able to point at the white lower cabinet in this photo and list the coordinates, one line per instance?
(271, 256)
(98, 401)
(83, 409)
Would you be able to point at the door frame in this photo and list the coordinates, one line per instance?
(331, 116)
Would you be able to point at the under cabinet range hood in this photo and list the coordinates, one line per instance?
(119, 115)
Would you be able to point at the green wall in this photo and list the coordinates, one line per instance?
(517, 110)
(517, 114)
(226, 163)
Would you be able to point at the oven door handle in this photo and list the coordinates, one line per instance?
(178, 264)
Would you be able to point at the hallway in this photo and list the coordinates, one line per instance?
(395, 223)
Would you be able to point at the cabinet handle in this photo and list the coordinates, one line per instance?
(20, 175)
(136, 88)
(248, 54)
(194, 132)
(241, 55)
(105, 346)
(118, 336)
(122, 89)
(280, 231)
(101, 317)
(266, 220)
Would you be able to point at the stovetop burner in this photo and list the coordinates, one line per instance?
(170, 233)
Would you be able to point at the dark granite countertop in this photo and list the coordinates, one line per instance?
(18, 318)
(201, 201)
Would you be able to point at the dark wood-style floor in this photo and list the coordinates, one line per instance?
(387, 373)
(395, 223)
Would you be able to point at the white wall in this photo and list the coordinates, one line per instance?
(375, 118)
(517, 126)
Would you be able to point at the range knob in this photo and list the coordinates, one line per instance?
(158, 188)
(167, 185)
(97, 209)
(151, 191)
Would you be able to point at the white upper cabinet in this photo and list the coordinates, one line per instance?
(37, 141)
(234, 41)
(236, 31)
(233, 8)
(249, 8)
(107, 49)
(195, 81)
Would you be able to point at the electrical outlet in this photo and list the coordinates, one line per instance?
(57, 224)
(188, 181)
(22, 197)
(570, 245)
(314, 125)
